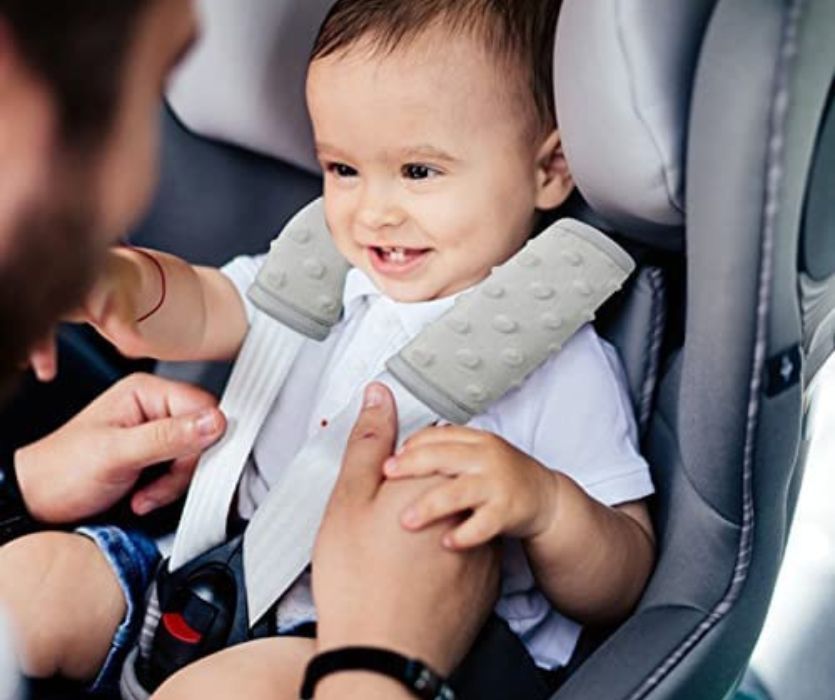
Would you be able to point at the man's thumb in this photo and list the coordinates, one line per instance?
(371, 442)
(166, 439)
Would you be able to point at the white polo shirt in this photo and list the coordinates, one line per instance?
(573, 414)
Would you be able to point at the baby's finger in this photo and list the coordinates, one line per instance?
(446, 458)
(442, 433)
(481, 527)
(444, 501)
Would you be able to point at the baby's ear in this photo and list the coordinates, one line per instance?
(553, 178)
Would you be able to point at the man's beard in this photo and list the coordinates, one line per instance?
(50, 264)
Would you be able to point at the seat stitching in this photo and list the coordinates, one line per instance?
(770, 211)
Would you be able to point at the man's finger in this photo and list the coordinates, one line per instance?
(167, 489)
(166, 439)
(160, 398)
(371, 441)
(44, 360)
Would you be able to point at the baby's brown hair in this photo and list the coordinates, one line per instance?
(520, 32)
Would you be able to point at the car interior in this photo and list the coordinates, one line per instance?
(701, 135)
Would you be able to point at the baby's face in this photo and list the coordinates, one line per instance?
(429, 161)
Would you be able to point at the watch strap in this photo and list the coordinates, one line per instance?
(413, 674)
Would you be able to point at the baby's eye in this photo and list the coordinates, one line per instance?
(418, 171)
(341, 170)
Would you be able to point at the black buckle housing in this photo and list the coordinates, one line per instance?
(202, 610)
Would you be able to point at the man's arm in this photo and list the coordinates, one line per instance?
(370, 579)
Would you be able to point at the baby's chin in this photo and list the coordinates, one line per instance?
(412, 292)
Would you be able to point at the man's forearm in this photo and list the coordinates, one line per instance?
(594, 561)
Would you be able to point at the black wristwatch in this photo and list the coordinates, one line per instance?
(414, 675)
(15, 520)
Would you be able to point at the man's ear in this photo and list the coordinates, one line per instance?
(553, 178)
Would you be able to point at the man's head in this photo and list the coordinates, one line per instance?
(80, 82)
(434, 123)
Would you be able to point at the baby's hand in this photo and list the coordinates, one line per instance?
(497, 488)
(109, 307)
(112, 305)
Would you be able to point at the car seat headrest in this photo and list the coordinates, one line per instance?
(244, 82)
(623, 76)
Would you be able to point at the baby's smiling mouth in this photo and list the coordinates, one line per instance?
(396, 259)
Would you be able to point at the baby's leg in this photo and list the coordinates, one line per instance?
(266, 669)
(64, 601)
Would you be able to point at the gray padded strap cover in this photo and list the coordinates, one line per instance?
(507, 326)
(494, 336)
(302, 280)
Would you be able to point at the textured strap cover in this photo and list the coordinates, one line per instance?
(302, 280)
(507, 326)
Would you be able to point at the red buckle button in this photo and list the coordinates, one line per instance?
(180, 629)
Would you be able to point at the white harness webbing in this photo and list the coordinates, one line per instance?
(278, 542)
(248, 397)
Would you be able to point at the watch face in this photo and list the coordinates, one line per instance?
(426, 683)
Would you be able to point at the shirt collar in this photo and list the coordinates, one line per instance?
(414, 316)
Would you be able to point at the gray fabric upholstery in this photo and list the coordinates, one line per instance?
(635, 322)
(725, 445)
(623, 72)
(244, 83)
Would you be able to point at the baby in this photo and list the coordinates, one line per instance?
(435, 128)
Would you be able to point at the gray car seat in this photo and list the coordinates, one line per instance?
(725, 438)
(702, 134)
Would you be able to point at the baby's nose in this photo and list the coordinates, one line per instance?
(379, 210)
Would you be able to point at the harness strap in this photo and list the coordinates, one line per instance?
(247, 400)
(278, 543)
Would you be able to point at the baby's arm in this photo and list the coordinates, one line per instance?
(151, 304)
(592, 561)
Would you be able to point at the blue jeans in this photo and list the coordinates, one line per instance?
(134, 558)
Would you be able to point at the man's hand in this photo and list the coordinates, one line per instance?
(89, 464)
(375, 583)
(43, 359)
